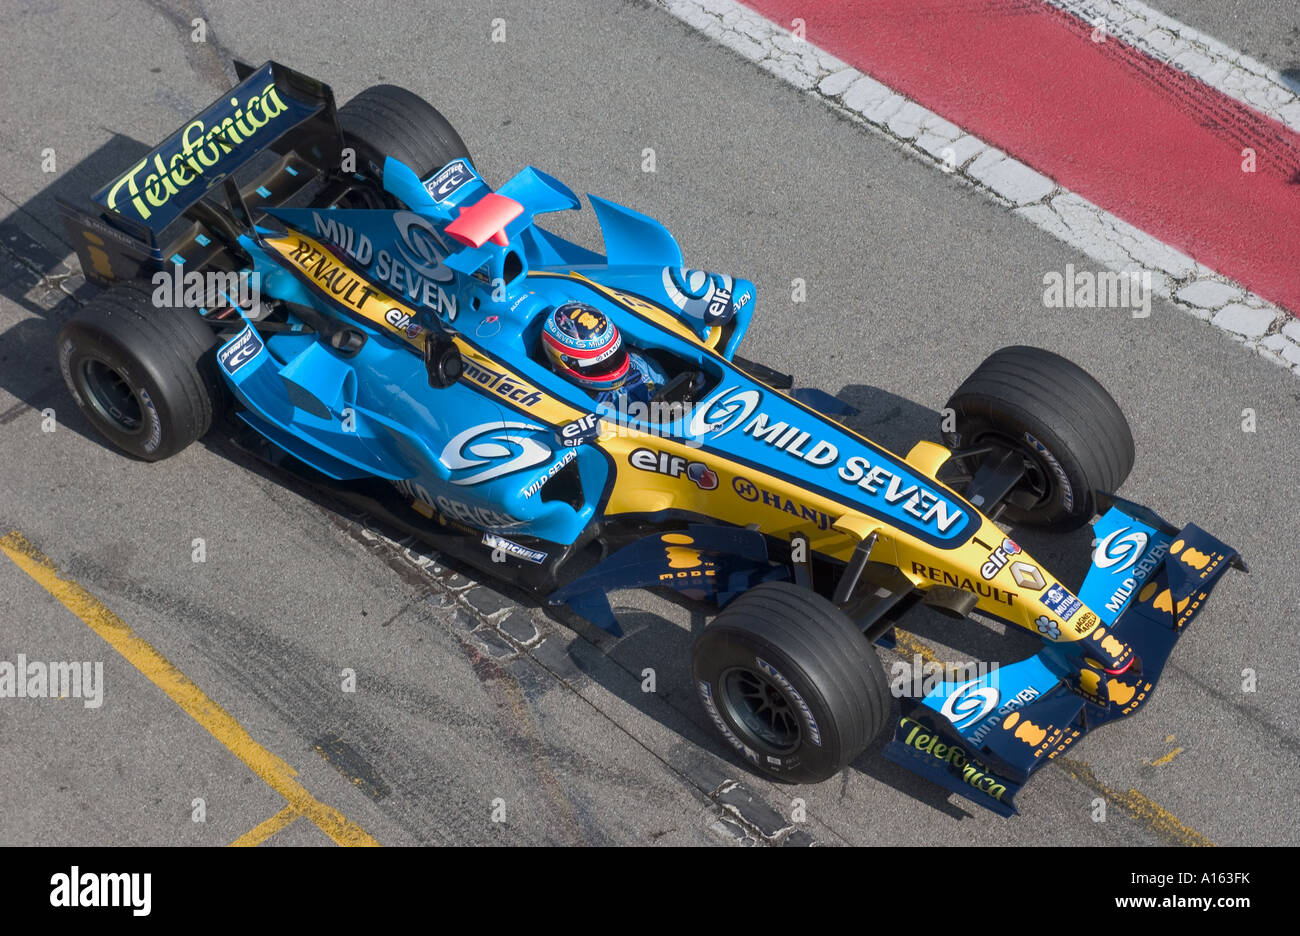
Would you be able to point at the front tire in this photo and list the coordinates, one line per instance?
(145, 377)
(1071, 433)
(791, 683)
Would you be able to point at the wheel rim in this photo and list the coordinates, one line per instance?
(1038, 486)
(111, 396)
(761, 711)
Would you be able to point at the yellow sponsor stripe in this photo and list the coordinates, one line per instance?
(154, 666)
(377, 302)
(264, 830)
(371, 303)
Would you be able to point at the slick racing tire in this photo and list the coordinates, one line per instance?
(385, 120)
(790, 682)
(1070, 432)
(144, 376)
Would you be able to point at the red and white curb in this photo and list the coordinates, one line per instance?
(1258, 324)
(1203, 57)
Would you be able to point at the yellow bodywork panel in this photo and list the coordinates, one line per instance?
(927, 457)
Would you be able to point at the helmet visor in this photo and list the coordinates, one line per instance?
(604, 365)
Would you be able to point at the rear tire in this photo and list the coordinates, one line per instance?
(385, 120)
(1070, 431)
(791, 683)
(144, 376)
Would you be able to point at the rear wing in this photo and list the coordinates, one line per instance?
(155, 210)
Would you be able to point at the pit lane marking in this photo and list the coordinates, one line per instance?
(1138, 807)
(277, 774)
(264, 830)
(1161, 761)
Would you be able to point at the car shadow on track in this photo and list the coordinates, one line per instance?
(652, 642)
(889, 420)
(655, 643)
(35, 277)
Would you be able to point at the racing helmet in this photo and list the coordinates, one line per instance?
(585, 346)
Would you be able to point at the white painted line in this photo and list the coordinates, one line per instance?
(1259, 325)
(1176, 44)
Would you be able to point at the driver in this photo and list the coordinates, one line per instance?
(584, 346)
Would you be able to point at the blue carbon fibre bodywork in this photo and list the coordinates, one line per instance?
(1127, 552)
(473, 447)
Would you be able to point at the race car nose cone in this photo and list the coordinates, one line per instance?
(1113, 655)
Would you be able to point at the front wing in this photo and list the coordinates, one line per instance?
(983, 737)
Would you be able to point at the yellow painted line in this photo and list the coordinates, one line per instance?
(1160, 762)
(1155, 817)
(264, 830)
(274, 772)
(908, 644)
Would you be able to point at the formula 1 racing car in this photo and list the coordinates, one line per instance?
(341, 289)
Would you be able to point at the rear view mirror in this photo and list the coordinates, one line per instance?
(442, 361)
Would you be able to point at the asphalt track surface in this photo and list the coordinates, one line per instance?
(468, 703)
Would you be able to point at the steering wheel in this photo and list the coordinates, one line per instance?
(681, 389)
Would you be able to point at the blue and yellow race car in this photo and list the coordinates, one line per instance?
(341, 287)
